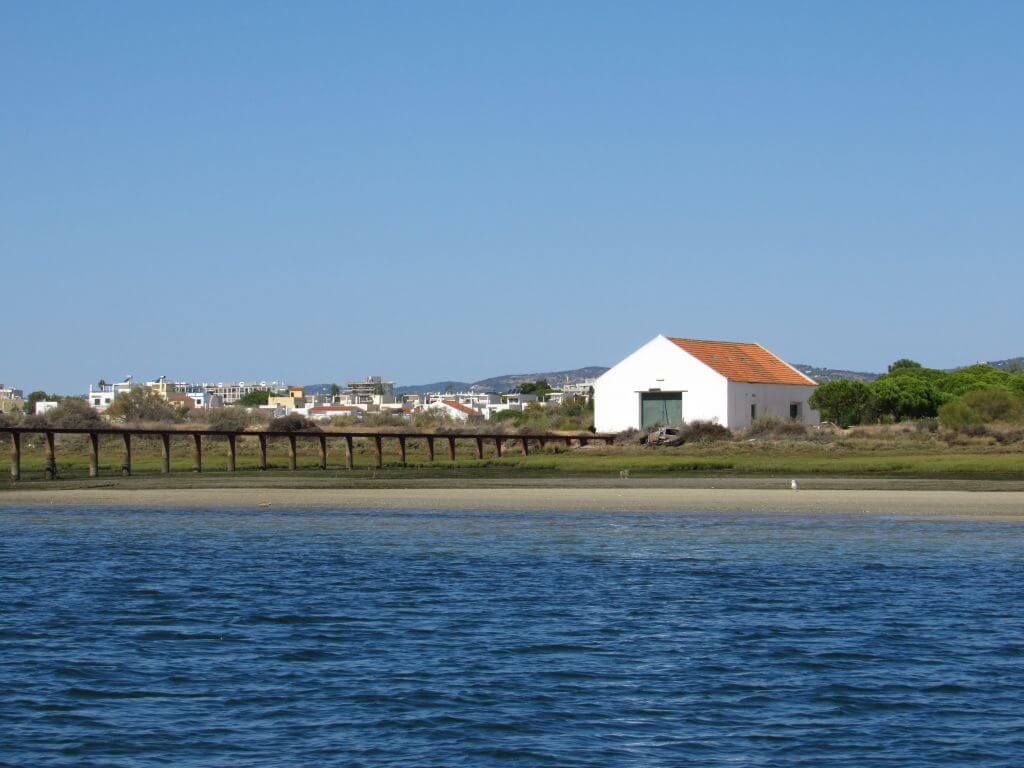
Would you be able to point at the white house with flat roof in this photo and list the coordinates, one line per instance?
(672, 381)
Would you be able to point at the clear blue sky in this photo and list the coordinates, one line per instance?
(317, 191)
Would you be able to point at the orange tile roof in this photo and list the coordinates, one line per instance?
(460, 407)
(742, 361)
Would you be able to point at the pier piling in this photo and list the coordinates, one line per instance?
(94, 454)
(15, 456)
(51, 457)
(262, 463)
(165, 453)
(126, 456)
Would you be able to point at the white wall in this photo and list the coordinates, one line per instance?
(658, 364)
(771, 399)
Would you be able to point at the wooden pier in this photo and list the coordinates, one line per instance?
(263, 436)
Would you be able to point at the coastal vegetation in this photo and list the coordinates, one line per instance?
(977, 394)
(922, 449)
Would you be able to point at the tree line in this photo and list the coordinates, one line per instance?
(977, 394)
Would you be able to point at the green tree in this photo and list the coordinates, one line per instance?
(843, 401)
(141, 404)
(539, 388)
(254, 399)
(905, 397)
(904, 363)
(335, 390)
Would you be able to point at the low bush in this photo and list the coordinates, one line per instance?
(293, 422)
(704, 432)
(232, 418)
(982, 406)
(770, 426)
(73, 413)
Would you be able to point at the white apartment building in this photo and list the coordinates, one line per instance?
(102, 395)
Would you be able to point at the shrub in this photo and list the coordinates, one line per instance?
(995, 405)
(772, 426)
(231, 419)
(73, 413)
(293, 422)
(982, 406)
(704, 432)
(142, 404)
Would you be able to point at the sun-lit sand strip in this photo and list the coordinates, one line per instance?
(938, 504)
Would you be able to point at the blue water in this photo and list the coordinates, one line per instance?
(270, 638)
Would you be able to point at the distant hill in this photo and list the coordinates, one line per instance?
(494, 384)
(508, 381)
(822, 375)
(1015, 364)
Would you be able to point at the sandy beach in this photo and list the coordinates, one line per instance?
(937, 504)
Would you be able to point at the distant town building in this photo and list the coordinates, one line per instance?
(674, 380)
(10, 393)
(231, 393)
(42, 406)
(102, 395)
(454, 409)
(327, 412)
(373, 391)
(11, 399)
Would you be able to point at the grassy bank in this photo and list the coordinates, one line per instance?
(871, 454)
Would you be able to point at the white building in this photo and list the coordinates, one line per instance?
(103, 395)
(454, 409)
(671, 381)
(42, 406)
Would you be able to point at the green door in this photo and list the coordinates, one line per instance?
(662, 408)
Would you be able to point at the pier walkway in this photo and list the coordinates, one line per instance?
(199, 436)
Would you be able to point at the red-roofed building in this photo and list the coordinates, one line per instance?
(674, 380)
(455, 410)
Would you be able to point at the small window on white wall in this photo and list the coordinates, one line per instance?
(753, 411)
(794, 411)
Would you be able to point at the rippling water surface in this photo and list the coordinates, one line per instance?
(268, 638)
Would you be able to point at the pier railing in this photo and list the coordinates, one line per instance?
(348, 436)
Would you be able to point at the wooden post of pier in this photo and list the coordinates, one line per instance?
(231, 453)
(349, 453)
(451, 449)
(291, 452)
(165, 453)
(479, 447)
(323, 451)
(51, 457)
(94, 454)
(197, 452)
(378, 450)
(126, 457)
(568, 442)
(497, 446)
(401, 449)
(15, 455)
(524, 442)
(262, 465)
(430, 449)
